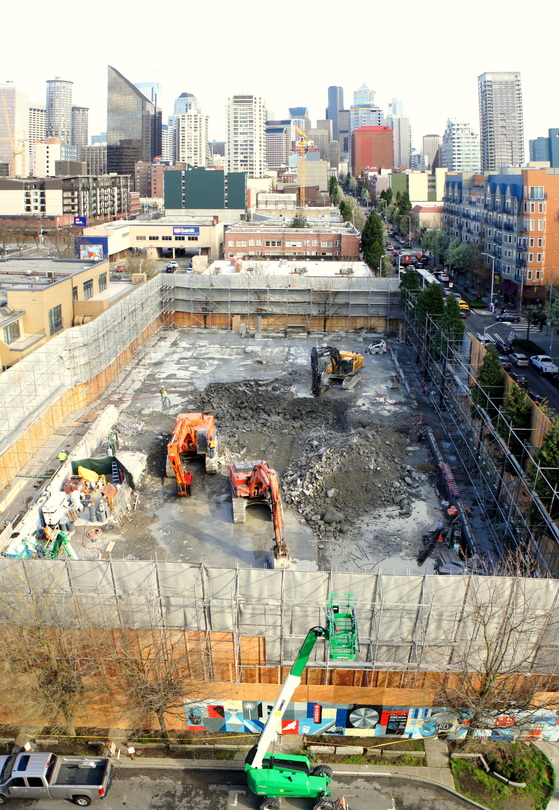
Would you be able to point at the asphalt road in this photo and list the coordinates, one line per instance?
(140, 788)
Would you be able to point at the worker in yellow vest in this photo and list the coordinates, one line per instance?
(62, 456)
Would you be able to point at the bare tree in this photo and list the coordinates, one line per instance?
(159, 672)
(49, 661)
(503, 656)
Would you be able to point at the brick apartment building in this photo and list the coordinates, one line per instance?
(277, 240)
(372, 147)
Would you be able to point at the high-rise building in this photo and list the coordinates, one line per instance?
(246, 135)
(95, 158)
(167, 150)
(133, 126)
(401, 130)
(37, 133)
(151, 90)
(280, 135)
(460, 147)
(501, 121)
(191, 138)
(14, 129)
(335, 105)
(186, 102)
(80, 126)
(300, 118)
(59, 110)
(546, 149)
(372, 148)
(431, 150)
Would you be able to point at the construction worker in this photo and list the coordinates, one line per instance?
(62, 456)
(165, 401)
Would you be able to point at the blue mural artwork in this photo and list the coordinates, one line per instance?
(362, 720)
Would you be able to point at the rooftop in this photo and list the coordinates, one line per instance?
(36, 274)
(284, 267)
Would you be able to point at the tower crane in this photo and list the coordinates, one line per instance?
(301, 148)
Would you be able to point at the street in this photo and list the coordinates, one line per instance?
(175, 789)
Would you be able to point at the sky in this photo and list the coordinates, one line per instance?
(427, 55)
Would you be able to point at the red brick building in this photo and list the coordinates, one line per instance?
(372, 148)
(148, 178)
(275, 240)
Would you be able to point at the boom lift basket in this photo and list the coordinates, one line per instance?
(341, 626)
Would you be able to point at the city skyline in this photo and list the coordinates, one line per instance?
(418, 62)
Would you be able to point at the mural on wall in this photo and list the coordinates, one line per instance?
(367, 721)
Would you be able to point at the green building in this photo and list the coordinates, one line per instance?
(205, 189)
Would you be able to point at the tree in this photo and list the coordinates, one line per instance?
(299, 221)
(452, 326)
(333, 188)
(345, 209)
(436, 241)
(387, 195)
(460, 255)
(544, 473)
(410, 281)
(365, 195)
(351, 212)
(352, 183)
(404, 203)
(497, 666)
(489, 391)
(430, 302)
(50, 665)
(373, 240)
(515, 420)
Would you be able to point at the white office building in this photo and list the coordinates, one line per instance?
(460, 148)
(191, 139)
(501, 121)
(245, 149)
(14, 129)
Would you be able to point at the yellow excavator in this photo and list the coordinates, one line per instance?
(344, 367)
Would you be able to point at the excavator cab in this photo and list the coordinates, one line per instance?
(341, 626)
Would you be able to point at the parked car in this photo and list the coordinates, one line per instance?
(505, 362)
(502, 345)
(507, 315)
(120, 268)
(172, 264)
(519, 379)
(443, 277)
(486, 340)
(544, 364)
(539, 399)
(519, 359)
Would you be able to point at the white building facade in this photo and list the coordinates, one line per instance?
(14, 129)
(460, 148)
(191, 139)
(245, 149)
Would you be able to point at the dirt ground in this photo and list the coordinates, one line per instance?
(357, 484)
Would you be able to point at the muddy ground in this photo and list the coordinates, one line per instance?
(358, 484)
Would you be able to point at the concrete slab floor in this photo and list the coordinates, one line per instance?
(353, 452)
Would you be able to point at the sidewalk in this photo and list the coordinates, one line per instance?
(551, 750)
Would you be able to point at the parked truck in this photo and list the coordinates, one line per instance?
(49, 776)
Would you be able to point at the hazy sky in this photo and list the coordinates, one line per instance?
(427, 55)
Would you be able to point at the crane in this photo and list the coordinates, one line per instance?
(274, 775)
(302, 179)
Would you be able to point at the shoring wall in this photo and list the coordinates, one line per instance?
(242, 628)
(45, 389)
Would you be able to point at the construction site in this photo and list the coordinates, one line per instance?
(346, 470)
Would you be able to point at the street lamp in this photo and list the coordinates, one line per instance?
(491, 325)
(490, 255)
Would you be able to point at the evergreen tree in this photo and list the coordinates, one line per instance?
(547, 457)
(299, 221)
(430, 302)
(345, 209)
(516, 415)
(452, 326)
(404, 203)
(373, 240)
(488, 393)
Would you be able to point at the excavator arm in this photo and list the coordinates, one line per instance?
(263, 482)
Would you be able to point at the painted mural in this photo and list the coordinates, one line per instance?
(367, 721)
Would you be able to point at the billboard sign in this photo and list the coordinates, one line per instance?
(91, 252)
(80, 221)
(186, 230)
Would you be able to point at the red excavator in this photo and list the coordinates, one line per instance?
(256, 482)
(193, 434)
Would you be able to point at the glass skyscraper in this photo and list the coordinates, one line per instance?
(133, 126)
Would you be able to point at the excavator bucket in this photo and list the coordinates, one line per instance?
(341, 626)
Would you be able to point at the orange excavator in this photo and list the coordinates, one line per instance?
(256, 482)
(193, 434)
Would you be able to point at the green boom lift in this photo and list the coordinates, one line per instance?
(276, 775)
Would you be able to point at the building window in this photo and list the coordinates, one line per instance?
(166, 238)
(541, 208)
(530, 257)
(536, 192)
(88, 290)
(531, 241)
(180, 239)
(74, 293)
(11, 332)
(540, 257)
(529, 275)
(55, 319)
(538, 273)
(102, 282)
(192, 238)
(140, 238)
(273, 243)
(154, 239)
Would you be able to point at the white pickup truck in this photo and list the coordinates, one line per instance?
(544, 364)
(48, 776)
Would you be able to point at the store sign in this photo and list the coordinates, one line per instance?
(186, 230)
(80, 221)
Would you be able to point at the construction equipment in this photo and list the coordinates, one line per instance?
(273, 775)
(194, 434)
(377, 348)
(343, 367)
(302, 168)
(256, 482)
